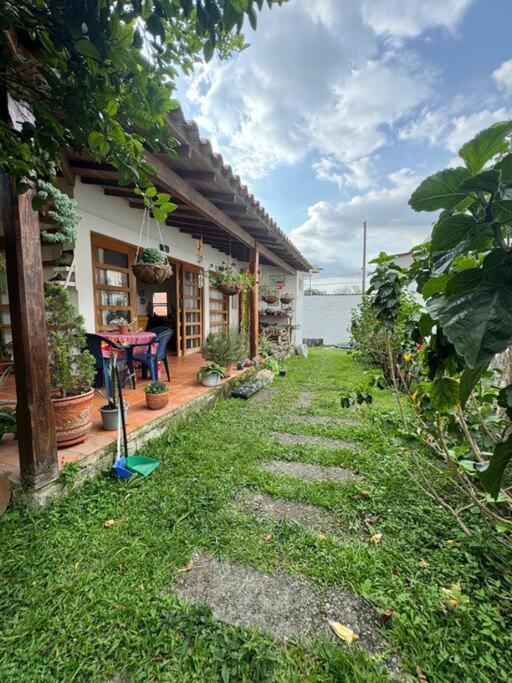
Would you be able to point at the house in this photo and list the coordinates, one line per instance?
(217, 220)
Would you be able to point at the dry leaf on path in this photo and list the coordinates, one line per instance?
(187, 567)
(385, 616)
(343, 632)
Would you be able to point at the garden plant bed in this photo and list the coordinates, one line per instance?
(88, 585)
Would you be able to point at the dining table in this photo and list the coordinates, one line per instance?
(132, 343)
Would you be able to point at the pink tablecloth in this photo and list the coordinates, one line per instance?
(131, 339)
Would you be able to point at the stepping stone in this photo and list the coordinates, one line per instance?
(308, 472)
(286, 606)
(271, 507)
(307, 440)
(321, 420)
(263, 396)
(304, 399)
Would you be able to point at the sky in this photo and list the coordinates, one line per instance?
(339, 108)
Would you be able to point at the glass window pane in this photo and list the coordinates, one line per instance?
(112, 278)
(113, 258)
(108, 298)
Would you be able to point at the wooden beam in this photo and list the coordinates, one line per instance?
(255, 297)
(218, 196)
(179, 186)
(36, 426)
(231, 209)
(198, 176)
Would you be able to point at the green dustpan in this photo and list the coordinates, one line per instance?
(140, 464)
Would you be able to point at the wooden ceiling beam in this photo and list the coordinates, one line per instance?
(198, 176)
(231, 209)
(218, 196)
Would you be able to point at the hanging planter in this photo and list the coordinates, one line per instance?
(151, 265)
(286, 299)
(229, 281)
(269, 295)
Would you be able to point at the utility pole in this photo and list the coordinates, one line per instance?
(364, 257)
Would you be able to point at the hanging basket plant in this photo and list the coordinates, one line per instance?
(151, 265)
(229, 281)
(270, 295)
(286, 299)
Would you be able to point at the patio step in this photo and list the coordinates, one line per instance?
(286, 606)
(288, 439)
(309, 472)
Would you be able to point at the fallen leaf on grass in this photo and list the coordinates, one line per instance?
(454, 596)
(322, 537)
(267, 537)
(187, 567)
(386, 616)
(365, 494)
(421, 676)
(423, 564)
(376, 538)
(108, 523)
(343, 632)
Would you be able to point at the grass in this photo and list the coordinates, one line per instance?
(84, 602)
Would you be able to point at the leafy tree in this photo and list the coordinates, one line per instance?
(99, 76)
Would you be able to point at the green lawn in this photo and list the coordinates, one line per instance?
(83, 602)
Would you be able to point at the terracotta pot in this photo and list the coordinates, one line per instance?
(73, 418)
(123, 329)
(229, 288)
(152, 273)
(157, 401)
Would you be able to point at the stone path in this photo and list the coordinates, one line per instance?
(321, 420)
(270, 507)
(286, 606)
(304, 399)
(263, 396)
(307, 440)
(308, 472)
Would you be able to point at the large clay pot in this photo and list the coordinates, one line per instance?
(73, 418)
(157, 401)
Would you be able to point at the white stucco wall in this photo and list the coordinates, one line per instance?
(328, 317)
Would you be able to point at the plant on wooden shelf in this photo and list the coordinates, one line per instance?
(61, 209)
(72, 368)
(157, 395)
(270, 295)
(152, 266)
(228, 280)
(225, 347)
(210, 375)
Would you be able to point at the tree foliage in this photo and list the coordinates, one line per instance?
(99, 76)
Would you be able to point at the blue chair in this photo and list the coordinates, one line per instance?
(95, 344)
(150, 360)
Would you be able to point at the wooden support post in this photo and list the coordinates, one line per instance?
(34, 411)
(255, 297)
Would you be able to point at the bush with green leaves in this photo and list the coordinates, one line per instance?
(156, 387)
(62, 209)
(225, 347)
(272, 365)
(72, 368)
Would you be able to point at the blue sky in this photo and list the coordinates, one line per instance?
(339, 108)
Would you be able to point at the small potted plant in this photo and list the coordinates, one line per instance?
(72, 369)
(286, 299)
(157, 395)
(122, 325)
(228, 280)
(225, 348)
(152, 266)
(109, 412)
(210, 375)
(270, 295)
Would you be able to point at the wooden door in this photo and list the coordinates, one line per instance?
(115, 290)
(191, 309)
(219, 310)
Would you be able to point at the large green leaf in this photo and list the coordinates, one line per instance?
(434, 286)
(491, 474)
(502, 211)
(440, 191)
(486, 181)
(464, 282)
(444, 393)
(505, 166)
(469, 380)
(484, 146)
(451, 230)
(88, 49)
(478, 322)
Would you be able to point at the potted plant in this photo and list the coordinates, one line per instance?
(157, 395)
(152, 266)
(228, 280)
(210, 375)
(72, 368)
(60, 209)
(225, 347)
(109, 412)
(270, 295)
(122, 325)
(286, 299)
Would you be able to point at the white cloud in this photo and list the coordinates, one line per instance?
(332, 234)
(358, 174)
(503, 77)
(410, 18)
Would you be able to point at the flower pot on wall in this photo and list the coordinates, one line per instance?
(73, 418)
(152, 273)
(157, 401)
